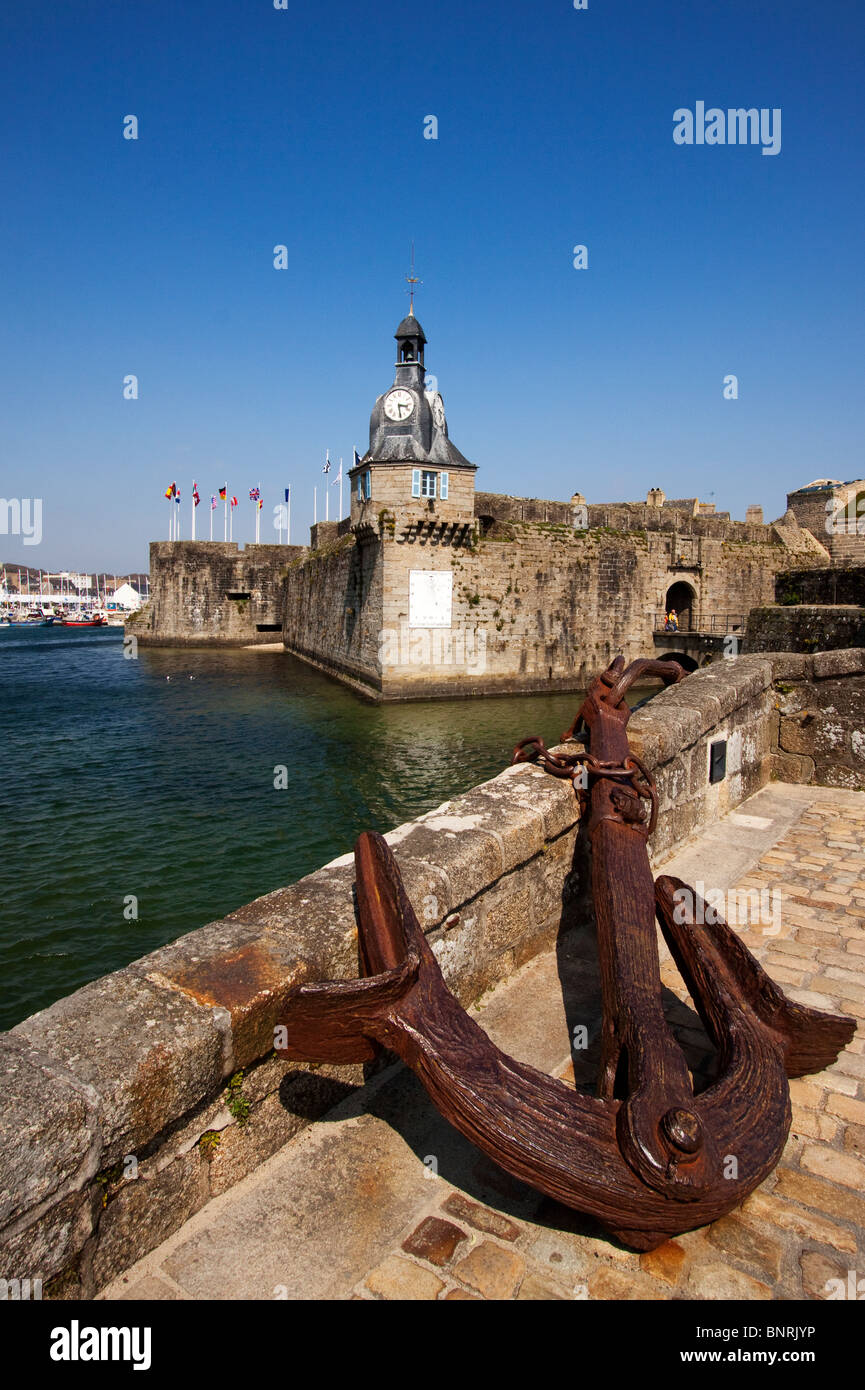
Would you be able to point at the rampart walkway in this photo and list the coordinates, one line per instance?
(381, 1199)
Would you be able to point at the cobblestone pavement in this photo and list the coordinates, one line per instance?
(383, 1200)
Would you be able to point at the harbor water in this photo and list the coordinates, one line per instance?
(147, 786)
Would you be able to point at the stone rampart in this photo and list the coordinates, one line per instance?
(211, 592)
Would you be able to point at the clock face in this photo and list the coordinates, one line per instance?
(438, 411)
(398, 404)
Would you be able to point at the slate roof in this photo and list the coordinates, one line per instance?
(410, 328)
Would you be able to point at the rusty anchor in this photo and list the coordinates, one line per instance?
(649, 1163)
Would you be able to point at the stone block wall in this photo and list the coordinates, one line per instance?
(332, 608)
(833, 585)
(132, 1102)
(540, 606)
(212, 592)
(805, 628)
(390, 491)
(840, 532)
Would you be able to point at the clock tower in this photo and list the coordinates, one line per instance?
(411, 466)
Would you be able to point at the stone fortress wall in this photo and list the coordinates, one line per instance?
(213, 593)
(430, 588)
(537, 603)
(119, 1122)
(814, 610)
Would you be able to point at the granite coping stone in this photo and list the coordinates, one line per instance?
(321, 906)
(844, 662)
(149, 1053)
(49, 1131)
(473, 857)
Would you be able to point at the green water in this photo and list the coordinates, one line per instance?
(155, 778)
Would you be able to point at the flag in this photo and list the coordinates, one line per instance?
(254, 494)
(212, 503)
(260, 503)
(234, 501)
(222, 492)
(338, 478)
(326, 468)
(169, 491)
(356, 458)
(195, 497)
(177, 496)
(288, 494)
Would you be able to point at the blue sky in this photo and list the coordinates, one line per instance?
(304, 127)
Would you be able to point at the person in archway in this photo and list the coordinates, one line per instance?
(673, 621)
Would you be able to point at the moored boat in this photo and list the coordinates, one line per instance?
(85, 620)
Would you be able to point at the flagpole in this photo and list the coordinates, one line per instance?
(170, 520)
(212, 510)
(288, 520)
(225, 515)
(340, 489)
(258, 517)
(192, 504)
(327, 500)
(315, 506)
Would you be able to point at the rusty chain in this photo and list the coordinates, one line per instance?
(568, 765)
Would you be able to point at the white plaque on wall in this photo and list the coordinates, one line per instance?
(430, 598)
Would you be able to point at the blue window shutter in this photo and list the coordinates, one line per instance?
(360, 487)
(367, 480)
(415, 482)
(443, 489)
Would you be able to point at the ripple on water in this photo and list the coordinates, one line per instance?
(118, 782)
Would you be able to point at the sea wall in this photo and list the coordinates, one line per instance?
(211, 592)
(534, 605)
(540, 606)
(132, 1102)
(332, 607)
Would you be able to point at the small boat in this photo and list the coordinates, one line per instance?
(85, 620)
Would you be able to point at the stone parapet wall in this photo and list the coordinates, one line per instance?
(805, 628)
(830, 586)
(132, 1102)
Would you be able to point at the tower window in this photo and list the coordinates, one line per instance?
(428, 484)
(363, 487)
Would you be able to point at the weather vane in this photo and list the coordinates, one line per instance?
(412, 281)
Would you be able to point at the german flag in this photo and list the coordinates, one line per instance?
(223, 492)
